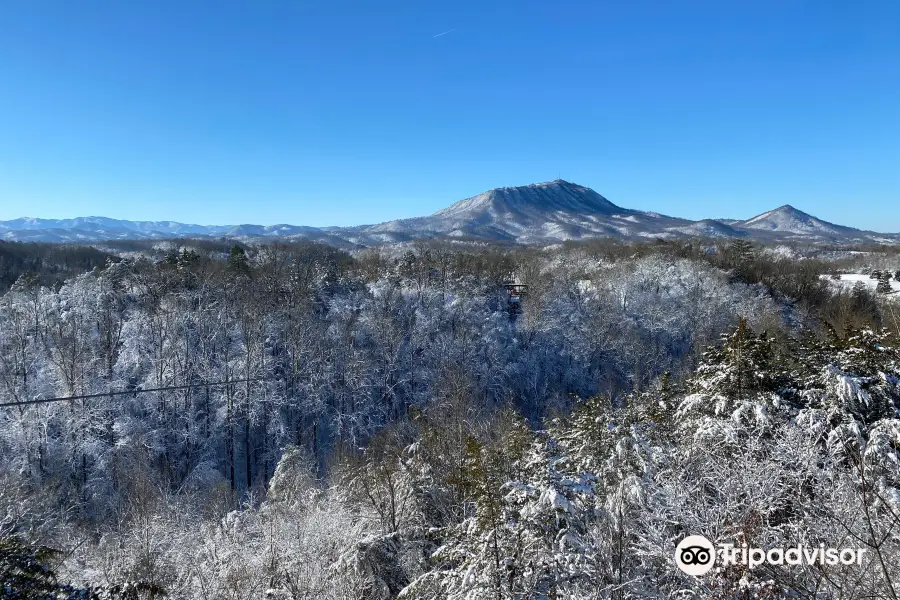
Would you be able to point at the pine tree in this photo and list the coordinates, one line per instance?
(884, 283)
(27, 281)
(656, 406)
(740, 251)
(743, 365)
(736, 384)
(739, 256)
(24, 574)
(238, 264)
(22, 571)
(851, 376)
(864, 378)
(862, 301)
(171, 257)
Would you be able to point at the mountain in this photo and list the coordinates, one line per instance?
(790, 221)
(711, 228)
(538, 213)
(95, 229)
(553, 211)
(102, 224)
(531, 202)
(560, 210)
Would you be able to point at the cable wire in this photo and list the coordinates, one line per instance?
(127, 392)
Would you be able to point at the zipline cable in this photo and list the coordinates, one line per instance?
(127, 392)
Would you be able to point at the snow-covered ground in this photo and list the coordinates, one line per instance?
(849, 280)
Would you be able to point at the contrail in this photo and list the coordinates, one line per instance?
(445, 33)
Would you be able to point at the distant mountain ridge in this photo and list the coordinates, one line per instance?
(547, 212)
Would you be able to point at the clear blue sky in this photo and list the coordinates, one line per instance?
(336, 112)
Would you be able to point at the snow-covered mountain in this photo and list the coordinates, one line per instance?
(530, 202)
(788, 220)
(556, 210)
(90, 229)
(543, 212)
(102, 224)
(560, 210)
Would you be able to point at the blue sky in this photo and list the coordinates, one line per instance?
(338, 112)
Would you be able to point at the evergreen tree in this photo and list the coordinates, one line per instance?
(27, 281)
(171, 257)
(863, 301)
(656, 406)
(863, 377)
(238, 264)
(743, 365)
(22, 571)
(884, 283)
(740, 251)
(24, 575)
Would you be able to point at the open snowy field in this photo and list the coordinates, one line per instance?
(848, 280)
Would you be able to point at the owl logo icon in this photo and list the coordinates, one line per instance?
(695, 555)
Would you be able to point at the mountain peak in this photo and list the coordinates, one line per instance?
(543, 184)
(788, 219)
(788, 208)
(785, 210)
(531, 202)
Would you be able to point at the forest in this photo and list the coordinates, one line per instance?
(48, 264)
(225, 420)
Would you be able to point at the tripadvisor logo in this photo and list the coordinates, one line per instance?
(696, 555)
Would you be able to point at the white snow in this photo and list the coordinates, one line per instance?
(848, 280)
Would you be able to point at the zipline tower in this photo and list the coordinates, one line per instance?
(515, 292)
